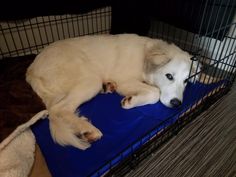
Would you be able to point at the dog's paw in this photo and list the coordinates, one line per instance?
(109, 87)
(127, 102)
(88, 132)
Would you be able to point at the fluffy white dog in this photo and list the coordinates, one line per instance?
(70, 72)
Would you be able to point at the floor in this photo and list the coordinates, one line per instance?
(204, 148)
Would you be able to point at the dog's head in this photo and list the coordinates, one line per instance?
(167, 67)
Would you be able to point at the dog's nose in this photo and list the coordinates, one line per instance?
(175, 102)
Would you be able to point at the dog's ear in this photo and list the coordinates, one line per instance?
(155, 58)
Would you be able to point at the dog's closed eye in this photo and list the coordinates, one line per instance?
(169, 76)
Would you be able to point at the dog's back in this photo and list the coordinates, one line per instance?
(59, 66)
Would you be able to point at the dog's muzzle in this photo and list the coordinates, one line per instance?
(175, 102)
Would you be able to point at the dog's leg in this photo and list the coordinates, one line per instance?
(137, 94)
(66, 128)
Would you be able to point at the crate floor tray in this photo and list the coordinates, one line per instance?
(124, 131)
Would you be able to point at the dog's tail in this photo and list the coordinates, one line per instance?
(41, 115)
(63, 133)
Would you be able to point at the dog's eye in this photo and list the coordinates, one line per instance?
(169, 76)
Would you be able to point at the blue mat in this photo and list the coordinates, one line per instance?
(121, 128)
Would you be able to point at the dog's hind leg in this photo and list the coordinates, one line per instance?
(137, 94)
(65, 126)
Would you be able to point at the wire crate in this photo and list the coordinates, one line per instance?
(211, 41)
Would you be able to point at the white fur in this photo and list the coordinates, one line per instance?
(17, 150)
(17, 159)
(70, 72)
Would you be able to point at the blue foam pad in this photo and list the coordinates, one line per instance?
(121, 128)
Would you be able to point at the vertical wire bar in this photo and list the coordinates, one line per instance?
(89, 24)
(40, 35)
(1, 54)
(27, 37)
(51, 25)
(109, 16)
(97, 15)
(152, 29)
(45, 31)
(5, 40)
(87, 20)
(155, 27)
(84, 21)
(67, 25)
(57, 28)
(106, 15)
(78, 25)
(33, 34)
(163, 34)
(168, 32)
(105, 21)
(14, 44)
(62, 27)
(85, 24)
(102, 21)
(186, 40)
(179, 38)
(92, 19)
(19, 35)
(73, 27)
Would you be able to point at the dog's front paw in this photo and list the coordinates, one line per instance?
(109, 87)
(127, 102)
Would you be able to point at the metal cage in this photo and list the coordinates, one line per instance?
(29, 36)
(214, 46)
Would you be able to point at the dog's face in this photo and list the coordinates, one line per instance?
(172, 79)
(170, 74)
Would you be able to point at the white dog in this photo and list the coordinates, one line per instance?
(70, 72)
